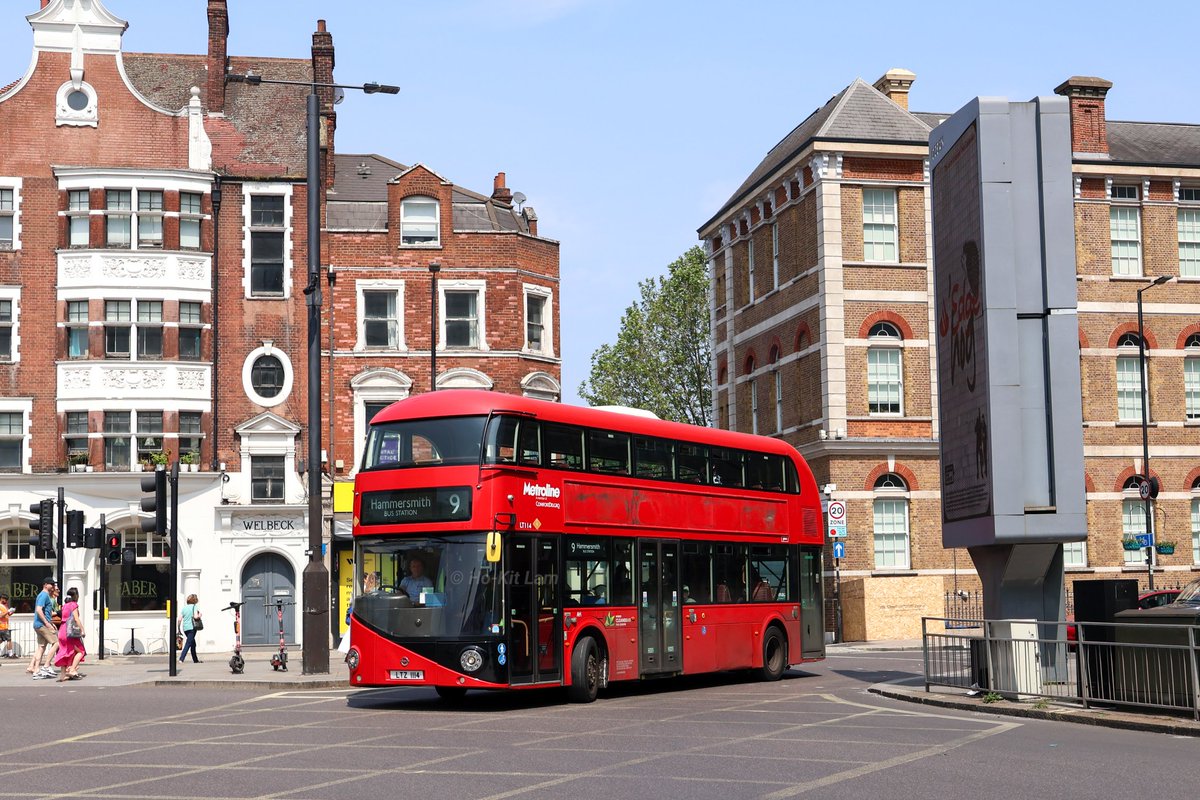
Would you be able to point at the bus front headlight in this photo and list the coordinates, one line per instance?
(471, 659)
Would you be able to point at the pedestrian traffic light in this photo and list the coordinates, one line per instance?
(112, 548)
(92, 537)
(156, 505)
(74, 529)
(44, 525)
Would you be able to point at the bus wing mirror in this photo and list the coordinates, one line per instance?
(493, 546)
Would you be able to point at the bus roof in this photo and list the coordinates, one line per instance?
(471, 402)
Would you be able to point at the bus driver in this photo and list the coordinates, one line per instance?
(416, 581)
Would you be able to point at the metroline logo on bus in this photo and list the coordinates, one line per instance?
(546, 494)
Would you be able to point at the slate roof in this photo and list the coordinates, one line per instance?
(359, 196)
(1170, 143)
(860, 112)
(263, 131)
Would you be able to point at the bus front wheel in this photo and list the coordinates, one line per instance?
(585, 671)
(774, 655)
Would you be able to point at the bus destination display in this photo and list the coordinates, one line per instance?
(400, 506)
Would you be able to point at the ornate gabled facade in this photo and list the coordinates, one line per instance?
(153, 254)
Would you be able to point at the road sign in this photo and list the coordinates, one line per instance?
(1144, 539)
(1144, 492)
(837, 530)
(837, 511)
(839, 549)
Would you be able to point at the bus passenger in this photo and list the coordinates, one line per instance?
(687, 595)
(416, 581)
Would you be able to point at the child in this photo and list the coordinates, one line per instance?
(6, 644)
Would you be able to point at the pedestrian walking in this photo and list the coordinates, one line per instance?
(190, 622)
(6, 613)
(45, 631)
(70, 639)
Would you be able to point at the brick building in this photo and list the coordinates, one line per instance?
(822, 317)
(153, 258)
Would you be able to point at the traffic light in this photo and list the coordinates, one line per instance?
(157, 504)
(112, 548)
(74, 529)
(92, 538)
(128, 555)
(44, 525)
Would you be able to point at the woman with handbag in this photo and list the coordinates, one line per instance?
(70, 639)
(190, 623)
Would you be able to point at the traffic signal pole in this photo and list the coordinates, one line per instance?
(103, 577)
(61, 548)
(174, 481)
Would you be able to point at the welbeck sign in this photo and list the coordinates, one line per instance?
(268, 525)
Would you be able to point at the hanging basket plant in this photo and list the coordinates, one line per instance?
(1165, 548)
(1131, 544)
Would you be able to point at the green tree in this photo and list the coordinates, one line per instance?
(661, 359)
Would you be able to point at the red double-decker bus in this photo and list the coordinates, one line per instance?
(503, 542)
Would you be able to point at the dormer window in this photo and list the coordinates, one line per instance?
(419, 222)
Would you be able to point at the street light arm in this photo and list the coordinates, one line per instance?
(366, 88)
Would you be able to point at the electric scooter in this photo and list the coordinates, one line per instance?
(279, 660)
(236, 663)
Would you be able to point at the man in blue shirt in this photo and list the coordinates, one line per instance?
(416, 581)
(46, 632)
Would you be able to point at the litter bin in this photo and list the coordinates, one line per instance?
(1100, 601)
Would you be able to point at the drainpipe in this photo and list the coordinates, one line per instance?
(216, 339)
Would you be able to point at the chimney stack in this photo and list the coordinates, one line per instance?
(500, 192)
(895, 83)
(218, 54)
(1089, 133)
(322, 68)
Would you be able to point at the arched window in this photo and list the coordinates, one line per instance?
(885, 372)
(1196, 521)
(420, 222)
(1191, 377)
(891, 522)
(1129, 379)
(1133, 518)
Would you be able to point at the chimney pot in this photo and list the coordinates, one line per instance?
(321, 26)
(895, 84)
(500, 192)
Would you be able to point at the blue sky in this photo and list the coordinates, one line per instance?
(627, 123)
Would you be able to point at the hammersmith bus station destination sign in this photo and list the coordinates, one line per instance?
(1011, 431)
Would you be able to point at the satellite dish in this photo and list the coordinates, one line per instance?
(519, 198)
(339, 94)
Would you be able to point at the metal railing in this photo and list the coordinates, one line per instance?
(1134, 665)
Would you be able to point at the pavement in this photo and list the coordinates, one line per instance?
(213, 673)
(912, 690)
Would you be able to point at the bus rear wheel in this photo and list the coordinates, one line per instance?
(774, 655)
(585, 671)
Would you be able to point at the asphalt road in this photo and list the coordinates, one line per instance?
(818, 732)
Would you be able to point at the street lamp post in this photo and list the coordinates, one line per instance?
(316, 574)
(1148, 492)
(434, 268)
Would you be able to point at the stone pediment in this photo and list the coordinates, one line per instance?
(267, 423)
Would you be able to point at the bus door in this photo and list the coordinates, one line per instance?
(534, 610)
(658, 606)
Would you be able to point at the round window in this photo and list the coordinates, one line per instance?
(77, 100)
(267, 376)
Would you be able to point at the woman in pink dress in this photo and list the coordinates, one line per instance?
(70, 648)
